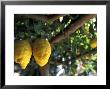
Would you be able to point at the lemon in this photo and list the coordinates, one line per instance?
(93, 43)
(22, 52)
(41, 51)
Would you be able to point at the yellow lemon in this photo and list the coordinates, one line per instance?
(41, 51)
(22, 52)
(93, 43)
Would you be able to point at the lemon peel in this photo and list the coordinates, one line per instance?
(93, 43)
(41, 51)
(22, 52)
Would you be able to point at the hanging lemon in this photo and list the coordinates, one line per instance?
(41, 51)
(22, 52)
(93, 43)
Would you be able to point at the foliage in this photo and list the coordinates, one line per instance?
(68, 56)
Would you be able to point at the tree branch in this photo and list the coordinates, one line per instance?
(86, 54)
(55, 17)
(73, 27)
(44, 18)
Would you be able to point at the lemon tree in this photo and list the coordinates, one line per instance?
(76, 55)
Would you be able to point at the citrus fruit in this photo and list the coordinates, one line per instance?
(22, 52)
(93, 43)
(41, 51)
